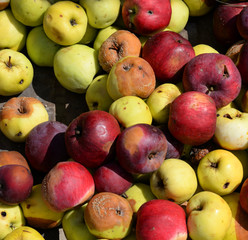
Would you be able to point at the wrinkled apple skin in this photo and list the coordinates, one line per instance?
(141, 148)
(89, 137)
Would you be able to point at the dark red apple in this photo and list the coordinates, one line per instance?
(242, 63)
(160, 219)
(111, 177)
(45, 145)
(168, 52)
(215, 75)
(89, 137)
(192, 118)
(242, 23)
(146, 17)
(16, 183)
(141, 148)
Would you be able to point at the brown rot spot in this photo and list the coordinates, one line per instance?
(3, 214)
(225, 186)
(150, 12)
(238, 115)
(227, 115)
(21, 82)
(5, 124)
(124, 108)
(19, 134)
(61, 15)
(225, 72)
(159, 91)
(28, 206)
(73, 22)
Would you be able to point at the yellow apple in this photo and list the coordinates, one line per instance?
(203, 48)
(90, 34)
(199, 8)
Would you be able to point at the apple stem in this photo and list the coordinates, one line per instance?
(9, 62)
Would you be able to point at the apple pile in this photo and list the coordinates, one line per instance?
(161, 153)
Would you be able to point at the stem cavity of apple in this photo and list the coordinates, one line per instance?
(3, 214)
(225, 72)
(9, 64)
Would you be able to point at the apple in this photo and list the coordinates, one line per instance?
(67, 185)
(167, 52)
(131, 76)
(20, 115)
(14, 32)
(241, 23)
(241, 60)
(220, 171)
(198, 8)
(101, 14)
(141, 148)
(221, 80)
(146, 17)
(231, 128)
(175, 180)
(65, 22)
(243, 195)
(119, 44)
(16, 73)
(111, 177)
(108, 215)
(203, 48)
(75, 67)
(4, 4)
(130, 110)
(192, 118)
(16, 183)
(206, 212)
(11, 218)
(161, 219)
(29, 12)
(90, 136)
(40, 48)
(90, 35)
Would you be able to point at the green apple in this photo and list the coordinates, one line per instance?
(199, 8)
(203, 48)
(14, 32)
(16, 72)
(24, 233)
(11, 217)
(90, 35)
(130, 110)
(97, 96)
(101, 14)
(40, 48)
(175, 180)
(75, 67)
(74, 226)
(220, 171)
(159, 101)
(65, 22)
(29, 12)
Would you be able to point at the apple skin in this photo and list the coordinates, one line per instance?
(168, 52)
(90, 136)
(199, 8)
(168, 218)
(146, 17)
(241, 23)
(243, 196)
(192, 118)
(141, 148)
(67, 185)
(221, 81)
(16, 184)
(45, 145)
(241, 63)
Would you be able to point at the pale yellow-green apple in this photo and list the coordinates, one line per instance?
(238, 229)
(16, 72)
(138, 194)
(19, 115)
(199, 8)
(90, 35)
(179, 16)
(65, 22)
(101, 14)
(37, 213)
(175, 180)
(220, 171)
(208, 216)
(40, 48)
(29, 12)
(4, 4)
(231, 129)
(11, 217)
(97, 96)
(130, 110)
(14, 32)
(203, 48)
(75, 67)
(160, 99)
(74, 225)
(103, 34)
(24, 233)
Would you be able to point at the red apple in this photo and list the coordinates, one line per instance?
(146, 17)
(168, 52)
(243, 197)
(16, 183)
(160, 219)
(192, 118)
(45, 145)
(242, 63)
(141, 148)
(89, 137)
(215, 75)
(242, 23)
(67, 185)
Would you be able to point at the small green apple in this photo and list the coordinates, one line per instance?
(16, 72)
(75, 67)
